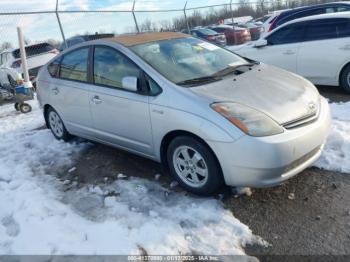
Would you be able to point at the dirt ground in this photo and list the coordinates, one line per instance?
(308, 215)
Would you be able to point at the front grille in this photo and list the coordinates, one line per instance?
(302, 160)
(305, 120)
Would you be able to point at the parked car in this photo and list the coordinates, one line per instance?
(315, 47)
(37, 56)
(291, 14)
(238, 35)
(82, 38)
(208, 35)
(208, 115)
(270, 18)
(255, 30)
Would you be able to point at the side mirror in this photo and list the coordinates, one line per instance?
(260, 43)
(130, 83)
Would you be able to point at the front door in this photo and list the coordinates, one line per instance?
(120, 117)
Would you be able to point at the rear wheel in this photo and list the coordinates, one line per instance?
(56, 125)
(17, 106)
(194, 166)
(345, 79)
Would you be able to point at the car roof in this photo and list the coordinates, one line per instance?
(311, 7)
(322, 16)
(142, 38)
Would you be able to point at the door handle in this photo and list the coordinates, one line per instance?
(345, 47)
(96, 100)
(288, 52)
(55, 90)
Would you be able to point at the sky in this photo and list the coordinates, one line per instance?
(39, 27)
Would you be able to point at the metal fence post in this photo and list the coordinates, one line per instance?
(60, 25)
(133, 14)
(233, 24)
(188, 26)
(21, 44)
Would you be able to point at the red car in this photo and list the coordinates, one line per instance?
(235, 36)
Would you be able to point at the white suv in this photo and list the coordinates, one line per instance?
(315, 47)
(10, 62)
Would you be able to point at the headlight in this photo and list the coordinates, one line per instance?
(250, 121)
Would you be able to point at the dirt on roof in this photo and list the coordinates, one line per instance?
(142, 38)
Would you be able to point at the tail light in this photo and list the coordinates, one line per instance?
(211, 38)
(245, 32)
(16, 63)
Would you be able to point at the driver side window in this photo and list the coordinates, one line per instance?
(110, 67)
(287, 35)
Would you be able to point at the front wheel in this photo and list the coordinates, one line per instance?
(56, 125)
(345, 79)
(194, 166)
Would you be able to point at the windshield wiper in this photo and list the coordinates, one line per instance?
(199, 80)
(231, 69)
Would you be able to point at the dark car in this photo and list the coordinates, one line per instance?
(209, 35)
(300, 12)
(83, 38)
(237, 36)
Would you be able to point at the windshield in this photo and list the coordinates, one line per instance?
(180, 60)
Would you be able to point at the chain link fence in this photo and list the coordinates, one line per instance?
(57, 20)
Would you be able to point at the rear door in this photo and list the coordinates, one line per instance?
(120, 117)
(282, 48)
(69, 92)
(325, 49)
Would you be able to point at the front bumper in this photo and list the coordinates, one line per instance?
(268, 161)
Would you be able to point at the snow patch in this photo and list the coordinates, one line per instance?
(38, 215)
(336, 154)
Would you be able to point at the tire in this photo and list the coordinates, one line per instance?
(198, 170)
(12, 82)
(24, 108)
(17, 106)
(56, 125)
(345, 79)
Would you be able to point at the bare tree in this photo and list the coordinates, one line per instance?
(5, 45)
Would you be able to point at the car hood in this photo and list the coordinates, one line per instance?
(282, 95)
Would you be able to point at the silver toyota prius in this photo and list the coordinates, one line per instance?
(208, 115)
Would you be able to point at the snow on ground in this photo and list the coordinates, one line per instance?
(336, 155)
(40, 214)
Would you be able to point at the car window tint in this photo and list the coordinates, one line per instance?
(287, 35)
(320, 30)
(154, 88)
(343, 28)
(342, 8)
(110, 66)
(53, 67)
(74, 65)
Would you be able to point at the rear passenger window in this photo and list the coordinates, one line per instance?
(343, 28)
(110, 67)
(74, 65)
(327, 29)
